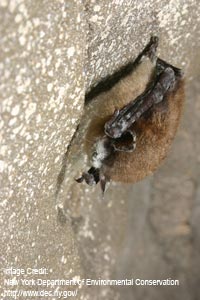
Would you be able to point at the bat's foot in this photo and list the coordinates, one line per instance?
(150, 49)
(153, 44)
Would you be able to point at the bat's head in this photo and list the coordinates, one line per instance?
(100, 155)
(103, 151)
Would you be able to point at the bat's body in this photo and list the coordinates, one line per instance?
(132, 125)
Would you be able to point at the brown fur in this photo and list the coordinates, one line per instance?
(154, 138)
(102, 107)
(154, 132)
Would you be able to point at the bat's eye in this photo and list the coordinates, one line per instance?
(94, 155)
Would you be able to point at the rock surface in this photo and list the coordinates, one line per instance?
(51, 52)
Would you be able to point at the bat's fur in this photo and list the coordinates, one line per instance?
(103, 106)
(109, 137)
(154, 137)
(155, 130)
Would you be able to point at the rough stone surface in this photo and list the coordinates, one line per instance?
(42, 96)
(51, 51)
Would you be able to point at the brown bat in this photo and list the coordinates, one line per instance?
(133, 123)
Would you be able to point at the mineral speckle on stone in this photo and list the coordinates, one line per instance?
(37, 82)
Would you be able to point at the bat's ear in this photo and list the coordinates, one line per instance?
(91, 177)
(126, 143)
(103, 183)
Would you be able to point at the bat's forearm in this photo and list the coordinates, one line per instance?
(130, 113)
